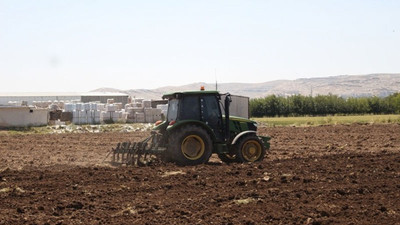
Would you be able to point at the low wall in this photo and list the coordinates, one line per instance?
(23, 117)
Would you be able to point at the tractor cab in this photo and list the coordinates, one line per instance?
(202, 107)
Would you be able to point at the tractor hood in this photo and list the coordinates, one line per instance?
(240, 119)
(240, 124)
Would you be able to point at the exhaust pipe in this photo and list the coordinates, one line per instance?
(228, 101)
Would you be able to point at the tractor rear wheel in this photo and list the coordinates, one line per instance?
(190, 145)
(250, 149)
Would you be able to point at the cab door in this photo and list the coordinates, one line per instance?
(211, 114)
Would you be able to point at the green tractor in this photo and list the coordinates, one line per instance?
(197, 125)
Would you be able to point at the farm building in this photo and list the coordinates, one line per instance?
(102, 97)
(22, 116)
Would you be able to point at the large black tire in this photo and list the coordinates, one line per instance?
(189, 145)
(249, 149)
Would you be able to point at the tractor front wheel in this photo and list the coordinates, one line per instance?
(190, 145)
(250, 149)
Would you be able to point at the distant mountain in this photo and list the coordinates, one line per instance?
(345, 85)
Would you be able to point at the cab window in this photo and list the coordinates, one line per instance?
(172, 109)
(190, 108)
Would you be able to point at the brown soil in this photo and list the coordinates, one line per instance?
(314, 175)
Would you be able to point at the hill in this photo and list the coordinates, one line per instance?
(345, 85)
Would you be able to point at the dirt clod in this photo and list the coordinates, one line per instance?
(75, 205)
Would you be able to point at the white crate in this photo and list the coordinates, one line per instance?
(118, 106)
(146, 103)
(111, 108)
(78, 106)
(93, 106)
(86, 106)
(162, 106)
(156, 112)
(105, 116)
(129, 105)
(101, 107)
(139, 117)
(138, 100)
(69, 107)
(148, 115)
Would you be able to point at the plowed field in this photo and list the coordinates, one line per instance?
(345, 174)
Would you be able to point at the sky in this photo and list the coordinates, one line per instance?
(81, 45)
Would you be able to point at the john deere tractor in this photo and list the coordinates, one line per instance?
(197, 125)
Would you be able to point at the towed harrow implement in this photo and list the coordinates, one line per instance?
(137, 153)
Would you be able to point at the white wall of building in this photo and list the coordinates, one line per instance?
(23, 117)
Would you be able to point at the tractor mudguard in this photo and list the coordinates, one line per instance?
(265, 139)
(242, 134)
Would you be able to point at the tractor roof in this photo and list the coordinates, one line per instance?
(175, 94)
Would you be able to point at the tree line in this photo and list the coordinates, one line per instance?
(320, 105)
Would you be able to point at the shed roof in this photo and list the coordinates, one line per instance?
(72, 94)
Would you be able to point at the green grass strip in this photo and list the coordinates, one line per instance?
(327, 120)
